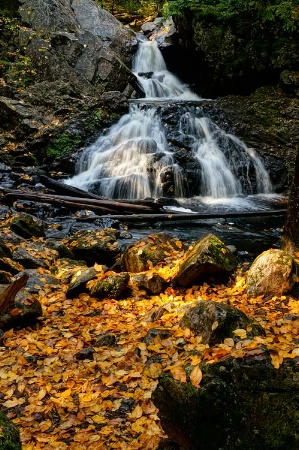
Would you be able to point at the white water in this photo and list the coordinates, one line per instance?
(133, 159)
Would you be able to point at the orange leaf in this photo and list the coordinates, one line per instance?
(179, 373)
(196, 376)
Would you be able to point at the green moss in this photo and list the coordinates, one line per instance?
(61, 145)
(9, 435)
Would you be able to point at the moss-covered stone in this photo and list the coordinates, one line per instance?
(217, 321)
(207, 257)
(270, 274)
(111, 287)
(9, 434)
(146, 253)
(27, 226)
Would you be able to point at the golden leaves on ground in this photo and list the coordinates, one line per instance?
(60, 402)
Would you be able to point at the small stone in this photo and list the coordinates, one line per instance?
(85, 353)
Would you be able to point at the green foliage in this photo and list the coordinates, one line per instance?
(61, 145)
(284, 12)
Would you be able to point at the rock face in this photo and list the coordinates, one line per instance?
(241, 403)
(270, 274)
(229, 58)
(77, 52)
(208, 257)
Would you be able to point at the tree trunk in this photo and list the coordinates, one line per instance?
(290, 235)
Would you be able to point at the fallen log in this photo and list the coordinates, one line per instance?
(61, 188)
(79, 203)
(168, 217)
(8, 295)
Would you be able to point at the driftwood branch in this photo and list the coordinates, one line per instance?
(8, 295)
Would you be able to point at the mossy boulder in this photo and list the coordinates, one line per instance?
(241, 403)
(111, 287)
(27, 226)
(217, 321)
(95, 246)
(9, 434)
(270, 274)
(148, 252)
(150, 281)
(208, 257)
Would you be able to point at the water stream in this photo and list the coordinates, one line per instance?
(136, 158)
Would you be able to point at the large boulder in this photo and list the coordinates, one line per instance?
(208, 257)
(240, 403)
(270, 274)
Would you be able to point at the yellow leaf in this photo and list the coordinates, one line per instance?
(241, 333)
(179, 373)
(42, 394)
(196, 376)
(215, 325)
(136, 413)
(13, 403)
(153, 371)
(98, 418)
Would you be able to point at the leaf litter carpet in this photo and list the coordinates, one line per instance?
(104, 401)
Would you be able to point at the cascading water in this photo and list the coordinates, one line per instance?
(137, 157)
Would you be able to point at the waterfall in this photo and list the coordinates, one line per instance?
(138, 157)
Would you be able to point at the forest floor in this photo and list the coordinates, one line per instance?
(104, 401)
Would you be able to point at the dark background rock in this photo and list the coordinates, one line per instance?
(241, 403)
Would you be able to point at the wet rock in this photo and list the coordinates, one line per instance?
(23, 312)
(106, 340)
(85, 353)
(34, 255)
(5, 277)
(95, 246)
(8, 265)
(148, 252)
(65, 268)
(79, 280)
(162, 333)
(27, 226)
(10, 435)
(111, 287)
(270, 274)
(37, 281)
(241, 403)
(208, 257)
(151, 282)
(217, 321)
(61, 248)
(5, 251)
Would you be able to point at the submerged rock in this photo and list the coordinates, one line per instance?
(241, 403)
(270, 274)
(208, 257)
